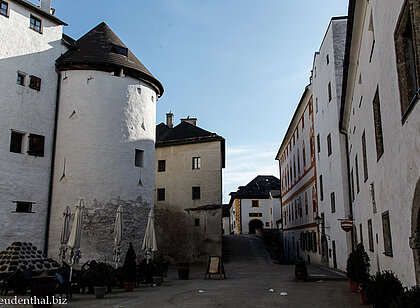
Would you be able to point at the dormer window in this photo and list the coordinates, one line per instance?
(4, 8)
(35, 24)
(119, 50)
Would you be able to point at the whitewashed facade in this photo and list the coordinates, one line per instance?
(381, 117)
(27, 113)
(333, 201)
(78, 122)
(296, 156)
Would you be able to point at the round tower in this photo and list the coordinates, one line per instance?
(105, 142)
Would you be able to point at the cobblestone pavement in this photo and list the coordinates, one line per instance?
(252, 281)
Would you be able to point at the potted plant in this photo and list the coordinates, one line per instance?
(358, 265)
(382, 288)
(129, 269)
(409, 299)
(99, 275)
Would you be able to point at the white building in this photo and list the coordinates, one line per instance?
(85, 107)
(381, 117)
(188, 199)
(30, 41)
(296, 156)
(331, 167)
(256, 206)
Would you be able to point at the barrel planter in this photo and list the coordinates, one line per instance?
(183, 271)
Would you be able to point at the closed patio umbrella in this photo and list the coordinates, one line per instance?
(149, 241)
(76, 235)
(65, 233)
(117, 235)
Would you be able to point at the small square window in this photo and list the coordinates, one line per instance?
(139, 159)
(35, 24)
(23, 207)
(196, 163)
(35, 83)
(255, 203)
(4, 8)
(161, 194)
(16, 141)
(196, 193)
(161, 165)
(20, 79)
(36, 145)
(197, 222)
(267, 224)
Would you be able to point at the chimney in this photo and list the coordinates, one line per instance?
(170, 119)
(192, 121)
(45, 5)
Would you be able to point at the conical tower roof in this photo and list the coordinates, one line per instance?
(101, 49)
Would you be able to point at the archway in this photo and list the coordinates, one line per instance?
(254, 225)
(415, 230)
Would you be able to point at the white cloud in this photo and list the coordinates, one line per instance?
(244, 163)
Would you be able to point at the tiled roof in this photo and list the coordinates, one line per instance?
(258, 188)
(95, 51)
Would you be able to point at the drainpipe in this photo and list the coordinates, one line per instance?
(349, 181)
(50, 190)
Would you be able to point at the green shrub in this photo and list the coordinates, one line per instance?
(358, 265)
(382, 288)
(129, 266)
(409, 299)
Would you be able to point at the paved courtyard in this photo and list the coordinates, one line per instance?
(252, 281)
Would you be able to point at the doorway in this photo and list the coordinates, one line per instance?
(254, 225)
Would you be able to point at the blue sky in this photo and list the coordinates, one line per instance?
(239, 66)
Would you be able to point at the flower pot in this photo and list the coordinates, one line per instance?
(363, 298)
(158, 280)
(354, 286)
(129, 286)
(99, 291)
(183, 271)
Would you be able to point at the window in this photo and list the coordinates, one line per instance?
(329, 147)
(304, 157)
(372, 196)
(16, 141)
(267, 224)
(119, 50)
(255, 214)
(321, 191)
(35, 24)
(356, 165)
(318, 143)
(139, 159)
(372, 36)
(378, 126)
(387, 234)
(365, 166)
(329, 92)
(35, 83)
(197, 222)
(255, 203)
(196, 163)
(161, 194)
(370, 234)
(4, 8)
(315, 242)
(316, 105)
(196, 192)
(408, 57)
(294, 168)
(332, 202)
(303, 121)
(36, 145)
(298, 161)
(361, 233)
(328, 59)
(20, 79)
(23, 207)
(300, 206)
(161, 165)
